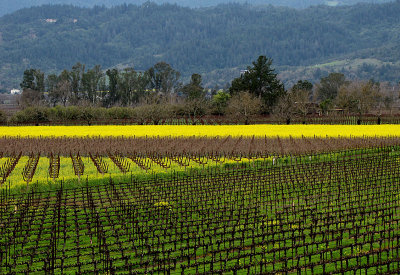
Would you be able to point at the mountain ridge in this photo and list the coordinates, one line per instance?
(7, 6)
(53, 38)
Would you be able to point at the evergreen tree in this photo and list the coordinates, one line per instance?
(260, 80)
(194, 90)
(28, 81)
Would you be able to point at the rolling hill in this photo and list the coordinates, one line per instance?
(9, 6)
(361, 40)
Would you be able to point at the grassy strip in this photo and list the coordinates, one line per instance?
(319, 214)
(42, 183)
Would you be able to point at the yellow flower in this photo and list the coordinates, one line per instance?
(205, 130)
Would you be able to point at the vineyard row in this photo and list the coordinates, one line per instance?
(324, 217)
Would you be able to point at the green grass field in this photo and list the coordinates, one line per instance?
(91, 175)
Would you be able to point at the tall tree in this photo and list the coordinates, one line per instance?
(329, 86)
(132, 86)
(51, 85)
(194, 89)
(195, 104)
(28, 81)
(90, 83)
(59, 88)
(303, 85)
(359, 97)
(164, 78)
(113, 89)
(33, 88)
(260, 80)
(76, 75)
(39, 81)
(33, 79)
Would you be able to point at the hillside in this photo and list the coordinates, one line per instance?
(8, 6)
(216, 42)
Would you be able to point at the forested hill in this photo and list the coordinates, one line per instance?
(213, 41)
(8, 6)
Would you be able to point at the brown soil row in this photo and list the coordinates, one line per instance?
(192, 146)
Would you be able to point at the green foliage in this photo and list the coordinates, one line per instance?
(33, 79)
(130, 35)
(15, 5)
(329, 86)
(303, 86)
(3, 117)
(28, 80)
(163, 78)
(260, 80)
(220, 102)
(325, 105)
(31, 115)
(90, 83)
(92, 87)
(121, 113)
(113, 79)
(221, 213)
(194, 90)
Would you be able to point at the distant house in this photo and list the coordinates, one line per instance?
(15, 92)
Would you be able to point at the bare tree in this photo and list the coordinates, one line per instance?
(243, 106)
(155, 109)
(195, 108)
(358, 97)
(30, 97)
(284, 109)
(389, 96)
(301, 102)
(62, 92)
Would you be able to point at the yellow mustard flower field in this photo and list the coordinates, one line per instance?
(205, 131)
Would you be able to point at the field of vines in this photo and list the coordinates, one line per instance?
(238, 205)
(27, 161)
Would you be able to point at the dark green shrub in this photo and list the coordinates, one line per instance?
(31, 115)
(120, 113)
(3, 117)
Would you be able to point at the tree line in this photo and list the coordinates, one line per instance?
(158, 94)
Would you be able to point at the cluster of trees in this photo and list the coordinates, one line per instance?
(94, 87)
(158, 94)
(158, 86)
(194, 40)
(336, 94)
